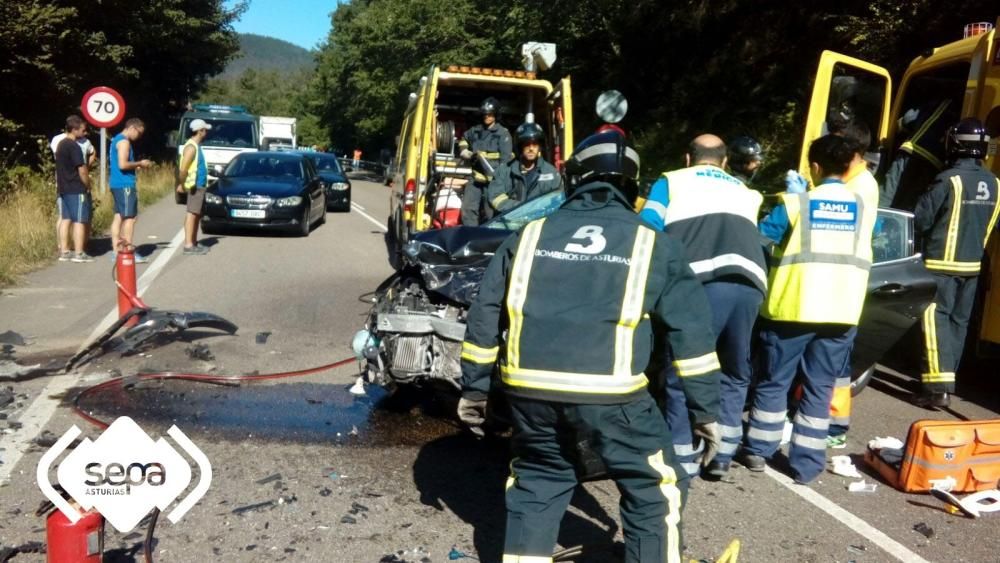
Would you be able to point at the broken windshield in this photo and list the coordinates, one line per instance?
(517, 218)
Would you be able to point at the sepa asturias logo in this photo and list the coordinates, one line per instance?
(124, 474)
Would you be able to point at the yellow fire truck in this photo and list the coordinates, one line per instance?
(966, 72)
(426, 173)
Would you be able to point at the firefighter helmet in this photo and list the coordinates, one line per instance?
(744, 151)
(527, 133)
(605, 157)
(967, 139)
(490, 106)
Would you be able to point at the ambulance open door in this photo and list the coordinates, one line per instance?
(848, 88)
(561, 133)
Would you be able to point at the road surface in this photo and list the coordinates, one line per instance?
(340, 478)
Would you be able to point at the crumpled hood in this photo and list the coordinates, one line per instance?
(453, 261)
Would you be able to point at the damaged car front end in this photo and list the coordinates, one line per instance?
(415, 329)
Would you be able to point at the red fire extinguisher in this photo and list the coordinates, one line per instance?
(125, 281)
(80, 542)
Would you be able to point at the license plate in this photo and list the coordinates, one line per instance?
(248, 213)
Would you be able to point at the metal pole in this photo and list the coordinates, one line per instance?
(104, 159)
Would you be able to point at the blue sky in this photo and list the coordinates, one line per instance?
(303, 22)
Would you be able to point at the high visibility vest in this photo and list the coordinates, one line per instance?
(820, 273)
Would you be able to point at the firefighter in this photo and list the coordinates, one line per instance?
(493, 142)
(714, 215)
(569, 305)
(955, 217)
(525, 177)
(745, 157)
(921, 156)
(816, 289)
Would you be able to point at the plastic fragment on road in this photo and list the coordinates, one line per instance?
(862, 486)
(843, 466)
(200, 352)
(12, 338)
(923, 529)
(974, 505)
(886, 443)
(269, 479)
(261, 337)
(359, 387)
(253, 507)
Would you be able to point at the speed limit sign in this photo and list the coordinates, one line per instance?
(103, 107)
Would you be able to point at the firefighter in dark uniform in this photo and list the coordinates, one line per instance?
(921, 156)
(525, 177)
(956, 217)
(493, 142)
(745, 156)
(569, 306)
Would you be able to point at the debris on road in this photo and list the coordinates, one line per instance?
(843, 466)
(348, 520)
(261, 337)
(47, 439)
(253, 507)
(269, 479)
(200, 352)
(415, 555)
(359, 387)
(973, 505)
(888, 443)
(12, 338)
(9, 369)
(862, 486)
(923, 529)
(325, 492)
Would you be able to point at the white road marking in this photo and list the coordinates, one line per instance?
(38, 413)
(358, 205)
(879, 538)
(361, 210)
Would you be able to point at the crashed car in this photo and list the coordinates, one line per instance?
(415, 329)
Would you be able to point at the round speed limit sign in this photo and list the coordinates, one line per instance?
(103, 107)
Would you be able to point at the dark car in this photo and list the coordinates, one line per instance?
(418, 319)
(338, 187)
(266, 190)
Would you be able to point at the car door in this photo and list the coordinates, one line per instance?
(314, 186)
(899, 290)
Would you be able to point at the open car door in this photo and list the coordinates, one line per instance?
(853, 89)
(561, 106)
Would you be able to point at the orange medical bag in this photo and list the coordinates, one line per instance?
(966, 451)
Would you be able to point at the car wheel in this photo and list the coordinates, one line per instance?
(859, 383)
(304, 226)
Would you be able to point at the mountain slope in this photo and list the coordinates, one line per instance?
(267, 53)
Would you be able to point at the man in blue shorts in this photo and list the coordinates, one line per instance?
(73, 187)
(123, 186)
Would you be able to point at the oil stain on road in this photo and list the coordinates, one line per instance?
(286, 412)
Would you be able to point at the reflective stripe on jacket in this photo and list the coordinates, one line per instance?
(820, 271)
(494, 143)
(956, 216)
(510, 189)
(715, 216)
(578, 295)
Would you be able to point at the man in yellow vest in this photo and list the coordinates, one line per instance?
(192, 177)
(817, 287)
(860, 181)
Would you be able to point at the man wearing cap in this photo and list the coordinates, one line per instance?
(192, 177)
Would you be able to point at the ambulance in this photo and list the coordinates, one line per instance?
(966, 73)
(427, 176)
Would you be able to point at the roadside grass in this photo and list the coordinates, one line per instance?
(28, 214)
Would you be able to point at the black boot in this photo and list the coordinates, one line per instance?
(930, 400)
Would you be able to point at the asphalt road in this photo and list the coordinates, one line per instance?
(359, 478)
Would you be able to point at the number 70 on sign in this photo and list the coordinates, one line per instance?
(102, 107)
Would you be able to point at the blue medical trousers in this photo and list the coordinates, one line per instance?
(823, 352)
(734, 311)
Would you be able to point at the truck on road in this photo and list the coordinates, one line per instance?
(278, 133)
(233, 131)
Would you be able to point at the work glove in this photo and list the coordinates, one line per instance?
(466, 154)
(709, 434)
(795, 183)
(472, 412)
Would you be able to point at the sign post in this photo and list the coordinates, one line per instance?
(103, 107)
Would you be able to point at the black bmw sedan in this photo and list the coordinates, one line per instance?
(269, 190)
(338, 187)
